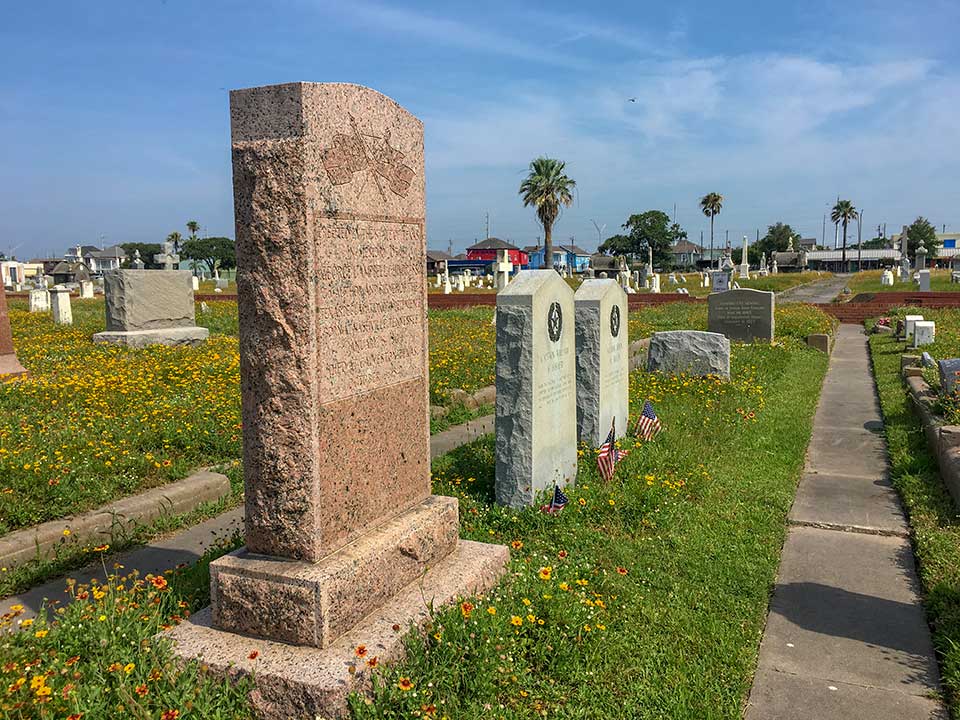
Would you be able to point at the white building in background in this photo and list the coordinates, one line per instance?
(97, 261)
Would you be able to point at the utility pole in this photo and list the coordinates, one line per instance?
(488, 226)
(823, 234)
(859, 242)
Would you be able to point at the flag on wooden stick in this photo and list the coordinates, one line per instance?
(557, 503)
(609, 454)
(648, 424)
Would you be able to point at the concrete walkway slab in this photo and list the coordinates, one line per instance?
(846, 634)
(791, 697)
(849, 503)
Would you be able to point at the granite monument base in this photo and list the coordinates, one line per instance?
(159, 336)
(294, 681)
(11, 367)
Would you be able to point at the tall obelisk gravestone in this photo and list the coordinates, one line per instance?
(9, 365)
(344, 539)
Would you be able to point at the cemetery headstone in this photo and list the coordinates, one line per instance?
(39, 300)
(536, 411)
(86, 289)
(923, 281)
(909, 322)
(137, 262)
(603, 376)
(222, 283)
(924, 332)
(744, 314)
(9, 364)
(195, 282)
(689, 351)
(167, 257)
(655, 283)
(344, 540)
(150, 307)
(949, 374)
(886, 278)
(719, 281)
(60, 299)
(921, 256)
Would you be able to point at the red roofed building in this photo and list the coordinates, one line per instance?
(487, 250)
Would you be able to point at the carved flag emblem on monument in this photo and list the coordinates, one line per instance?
(360, 152)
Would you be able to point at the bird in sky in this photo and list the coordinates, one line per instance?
(631, 99)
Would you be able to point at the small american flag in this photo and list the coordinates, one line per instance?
(609, 454)
(648, 424)
(558, 502)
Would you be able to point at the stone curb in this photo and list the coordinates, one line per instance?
(99, 526)
(943, 440)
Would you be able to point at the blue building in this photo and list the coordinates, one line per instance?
(567, 255)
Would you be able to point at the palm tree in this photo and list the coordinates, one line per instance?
(175, 238)
(711, 204)
(194, 227)
(547, 188)
(843, 212)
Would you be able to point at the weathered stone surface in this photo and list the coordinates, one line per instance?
(536, 416)
(307, 682)
(909, 321)
(9, 365)
(689, 351)
(603, 378)
(819, 341)
(744, 314)
(340, 524)
(329, 177)
(39, 300)
(923, 281)
(949, 374)
(60, 300)
(160, 336)
(314, 603)
(924, 332)
(148, 299)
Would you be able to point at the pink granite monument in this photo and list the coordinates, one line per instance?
(344, 541)
(9, 365)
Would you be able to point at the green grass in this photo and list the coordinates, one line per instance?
(933, 516)
(868, 281)
(658, 582)
(101, 656)
(773, 283)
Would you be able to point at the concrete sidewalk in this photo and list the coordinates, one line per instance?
(820, 291)
(846, 636)
(188, 545)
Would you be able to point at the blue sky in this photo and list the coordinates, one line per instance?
(115, 120)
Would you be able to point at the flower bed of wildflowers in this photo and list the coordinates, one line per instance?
(98, 656)
(645, 597)
(935, 531)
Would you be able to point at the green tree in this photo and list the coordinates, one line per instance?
(921, 230)
(147, 251)
(547, 188)
(652, 229)
(177, 240)
(193, 227)
(617, 245)
(843, 212)
(777, 239)
(711, 204)
(214, 252)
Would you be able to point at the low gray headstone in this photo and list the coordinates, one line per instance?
(690, 351)
(603, 376)
(926, 359)
(949, 374)
(743, 314)
(148, 307)
(536, 412)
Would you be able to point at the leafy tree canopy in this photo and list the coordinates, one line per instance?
(651, 229)
(147, 251)
(214, 252)
(921, 229)
(777, 239)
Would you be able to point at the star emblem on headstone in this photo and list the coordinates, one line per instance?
(554, 321)
(615, 320)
